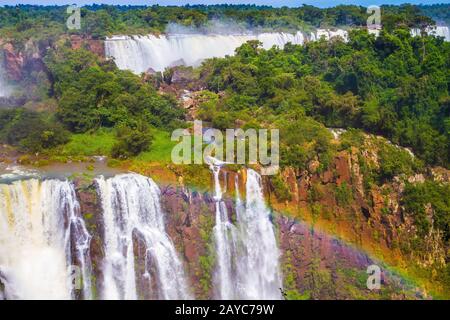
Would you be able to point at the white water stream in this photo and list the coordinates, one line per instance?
(41, 235)
(247, 253)
(131, 206)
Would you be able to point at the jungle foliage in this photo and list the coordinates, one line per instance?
(46, 22)
(394, 85)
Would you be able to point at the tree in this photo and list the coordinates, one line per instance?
(132, 141)
(31, 131)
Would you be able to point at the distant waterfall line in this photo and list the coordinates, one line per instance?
(142, 53)
(156, 53)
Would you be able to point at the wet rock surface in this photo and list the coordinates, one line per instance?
(314, 265)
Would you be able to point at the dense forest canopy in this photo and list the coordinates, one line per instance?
(439, 12)
(24, 21)
(394, 85)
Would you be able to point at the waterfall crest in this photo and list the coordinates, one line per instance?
(247, 254)
(131, 208)
(41, 235)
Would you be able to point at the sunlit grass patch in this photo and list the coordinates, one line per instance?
(99, 142)
(161, 148)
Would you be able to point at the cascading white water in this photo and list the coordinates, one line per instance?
(438, 31)
(77, 240)
(225, 238)
(327, 34)
(4, 88)
(441, 31)
(247, 265)
(259, 275)
(140, 53)
(40, 229)
(131, 205)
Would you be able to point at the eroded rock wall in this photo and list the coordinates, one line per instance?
(314, 265)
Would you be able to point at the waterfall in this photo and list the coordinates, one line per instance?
(328, 34)
(438, 31)
(247, 254)
(4, 88)
(77, 240)
(226, 241)
(141, 53)
(131, 208)
(259, 273)
(441, 31)
(41, 235)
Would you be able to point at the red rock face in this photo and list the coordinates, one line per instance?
(313, 263)
(95, 46)
(22, 62)
(189, 222)
(342, 165)
(91, 209)
(14, 62)
(317, 260)
(76, 42)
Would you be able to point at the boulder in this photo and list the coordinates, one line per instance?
(182, 76)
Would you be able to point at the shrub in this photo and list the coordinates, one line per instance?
(418, 196)
(222, 121)
(395, 161)
(31, 131)
(303, 140)
(131, 142)
(281, 190)
(351, 138)
(343, 194)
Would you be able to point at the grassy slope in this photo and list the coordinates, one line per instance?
(102, 141)
(160, 150)
(89, 144)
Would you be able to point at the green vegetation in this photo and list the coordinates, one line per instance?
(208, 260)
(395, 161)
(434, 196)
(281, 190)
(394, 85)
(290, 281)
(92, 94)
(352, 138)
(439, 12)
(131, 141)
(161, 148)
(344, 195)
(109, 112)
(28, 21)
(99, 142)
(31, 131)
